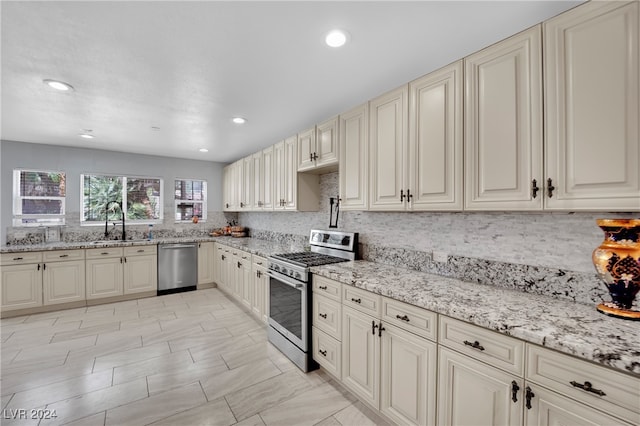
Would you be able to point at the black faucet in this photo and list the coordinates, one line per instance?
(106, 223)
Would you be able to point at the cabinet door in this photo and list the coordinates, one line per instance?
(257, 181)
(246, 202)
(408, 377)
(435, 140)
(206, 263)
(473, 393)
(226, 188)
(503, 125)
(63, 282)
(268, 179)
(246, 283)
(258, 288)
(549, 409)
(388, 150)
(353, 173)
(290, 173)
(279, 173)
(104, 277)
(327, 143)
(591, 104)
(21, 286)
(306, 150)
(361, 355)
(140, 274)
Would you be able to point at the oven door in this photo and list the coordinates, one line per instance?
(288, 312)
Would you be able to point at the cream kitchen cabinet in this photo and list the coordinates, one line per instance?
(243, 278)
(260, 288)
(267, 177)
(503, 125)
(388, 150)
(246, 184)
(105, 272)
(223, 258)
(318, 147)
(353, 174)
(471, 392)
(21, 280)
(293, 191)
(206, 263)
(63, 276)
(257, 181)
(592, 101)
(435, 161)
(140, 269)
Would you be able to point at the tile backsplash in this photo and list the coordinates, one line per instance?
(541, 252)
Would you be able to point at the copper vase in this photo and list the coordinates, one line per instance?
(617, 261)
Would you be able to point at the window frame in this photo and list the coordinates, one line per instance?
(85, 222)
(205, 190)
(18, 216)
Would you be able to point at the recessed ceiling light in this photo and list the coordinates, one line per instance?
(336, 38)
(58, 85)
(203, 150)
(239, 120)
(87, 134)
(155, 128)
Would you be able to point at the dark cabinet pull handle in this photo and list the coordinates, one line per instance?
(258, 274)
(239, 265)
(223, 257)
(587, 386)
(141, 251)
(322, 287)
(125, 260)
(380, 328)
(514, 391)
(258, 263)
(373, 327)
(528, 396)
(403, 318)
(323, 316)
(474, 345)
(550, 188)
(402, 195)
(534, 188)
(64, 255)
(104, 253)
(18, 258)
(358, 300)
(323, 353)
(227, 205)
(38, 266)
(315, 156)
(409, 196)
(120, 260)
(44, 266)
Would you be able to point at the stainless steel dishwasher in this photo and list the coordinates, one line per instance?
(177, 267)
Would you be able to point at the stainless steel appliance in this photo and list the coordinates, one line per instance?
(290, 292)
(177, 267)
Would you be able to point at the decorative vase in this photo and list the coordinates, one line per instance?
(617, 262)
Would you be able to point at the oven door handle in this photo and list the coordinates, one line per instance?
(285, 280)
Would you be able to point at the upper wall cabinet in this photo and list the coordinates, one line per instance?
(388, 150)
(591, 107)
(257, 181)
(318, 147)
(353, 172)
(267, 177)
(435, 141)
(503, 125)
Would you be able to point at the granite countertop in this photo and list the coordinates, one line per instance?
(568, 327)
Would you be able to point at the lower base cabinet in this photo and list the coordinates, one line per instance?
(474, 393)
(63, 282)
(21, 287)
(105, 277)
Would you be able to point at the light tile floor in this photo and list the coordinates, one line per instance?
(194, 358)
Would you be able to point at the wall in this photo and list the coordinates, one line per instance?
(75, 161)
(546, 253)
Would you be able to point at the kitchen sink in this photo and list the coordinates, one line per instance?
(101, 242)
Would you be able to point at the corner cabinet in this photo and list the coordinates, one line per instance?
(503, 125)
(592, 102)
(353, 173)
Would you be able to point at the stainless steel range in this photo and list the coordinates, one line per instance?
(290, 292)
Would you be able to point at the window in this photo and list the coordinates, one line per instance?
(38, 197)
(105, 197)
(191, 199)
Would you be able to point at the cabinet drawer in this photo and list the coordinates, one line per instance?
(327, 315)
(62, 255)
(259, 261)
(243, 255)
(327, 352)
(611, 391)
(141, 250)
(21, 258)
(327, 287)
(410, 318)
(493, 348)
(362, 300)
(104, 252)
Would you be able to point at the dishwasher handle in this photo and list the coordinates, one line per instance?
(177, 246)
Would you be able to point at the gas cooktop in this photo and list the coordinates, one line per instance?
(307, 259)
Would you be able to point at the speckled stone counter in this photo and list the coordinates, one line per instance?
(567, 327)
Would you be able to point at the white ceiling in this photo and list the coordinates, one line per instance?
(188, 67)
